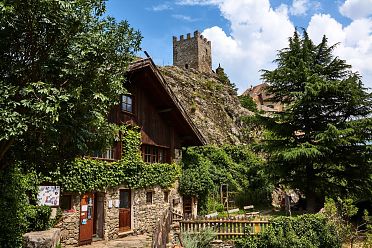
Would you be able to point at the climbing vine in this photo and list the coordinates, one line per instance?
(86, 174)
(206, 168)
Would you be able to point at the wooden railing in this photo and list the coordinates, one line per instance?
(225, 228)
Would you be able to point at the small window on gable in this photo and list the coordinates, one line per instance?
(127, 103)
(186, 66)
(149, 197)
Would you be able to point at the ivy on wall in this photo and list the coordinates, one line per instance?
(85, 174)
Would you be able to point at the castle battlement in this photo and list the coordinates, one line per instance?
(197, 35)
(192, 52)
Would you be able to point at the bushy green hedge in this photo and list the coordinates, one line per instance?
(38, 218)
(15, 191)
(305, 231)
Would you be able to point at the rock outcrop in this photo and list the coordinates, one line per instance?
(213, 105)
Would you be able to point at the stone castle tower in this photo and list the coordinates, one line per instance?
(192, 52)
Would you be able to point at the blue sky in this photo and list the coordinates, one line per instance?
(246, 34)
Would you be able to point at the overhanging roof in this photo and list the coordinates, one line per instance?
(145, 69)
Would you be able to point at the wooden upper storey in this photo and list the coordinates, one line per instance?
(151, 105)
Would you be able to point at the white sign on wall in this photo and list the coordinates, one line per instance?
(48, 196)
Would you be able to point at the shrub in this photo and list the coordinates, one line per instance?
(305, 231)
(201, 239)
(15, 190)
(38, 218)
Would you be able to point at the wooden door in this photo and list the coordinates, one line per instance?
(86, 219)
(124, 210)
(187, 206)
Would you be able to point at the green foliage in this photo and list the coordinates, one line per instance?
(222, 76)
(38, 218)
(247, 102)
(85, 174)
(206, 168)
(340, 212)
(200, 239)
(62, 68)
(15, 189)
(305, 231)
(321, 144)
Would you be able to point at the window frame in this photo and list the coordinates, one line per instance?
(110, 151)
(154, 154)
(126, 103)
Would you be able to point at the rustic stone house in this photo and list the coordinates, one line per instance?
(165, 129)
(262, 99)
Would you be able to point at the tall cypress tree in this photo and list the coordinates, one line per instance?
(321, 142)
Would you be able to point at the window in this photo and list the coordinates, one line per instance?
(108, 154)
(154, 154)
(186, 66)
(127, 103)
(66, 202)
(149, 197)
(147, 154)
(166, 196)
(124, 198)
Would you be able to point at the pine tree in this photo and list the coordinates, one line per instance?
(321, 142)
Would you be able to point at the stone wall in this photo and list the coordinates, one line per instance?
(70, 223)
(146, 215)
(111, 223)
(192, 52)
(43, 239)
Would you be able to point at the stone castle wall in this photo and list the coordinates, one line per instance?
(192, 52)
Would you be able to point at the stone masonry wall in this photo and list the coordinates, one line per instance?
(111, 223)
(146, 215)
(70, 223)
(195, 52)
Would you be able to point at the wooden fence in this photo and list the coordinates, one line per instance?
(161, 230)
(225, 228)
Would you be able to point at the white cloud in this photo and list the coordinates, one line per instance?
(356, 9)
(185, 18)
(299, 7)
(161, 7)
(257, 32)
(321, 24)
(355, 42)
(198, 2)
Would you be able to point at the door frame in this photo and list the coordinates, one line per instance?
(101, 221)
(131, 197)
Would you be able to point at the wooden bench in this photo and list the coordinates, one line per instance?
(252, 213)
(248, 207)
(249, 212)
